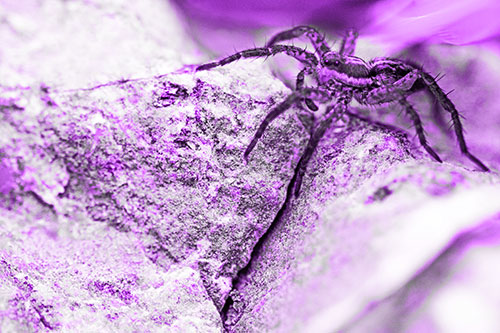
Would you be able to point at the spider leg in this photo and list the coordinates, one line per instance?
(307, 58)
(312, 93)
(395, 92)
(349, 43)
(336, 110)
(316, 38)
(300, 84)
(419, 128)
(455, 116)
(437, 114)
(392, 92)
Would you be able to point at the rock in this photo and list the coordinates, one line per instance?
(339, 247)
(154, 164)
(126, 205)
(80, 44)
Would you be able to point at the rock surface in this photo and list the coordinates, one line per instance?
(126, 205)
(159, 159)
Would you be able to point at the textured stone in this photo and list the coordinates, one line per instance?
(160, 162)
(126, 205)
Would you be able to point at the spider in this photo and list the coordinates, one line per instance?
(342, 77)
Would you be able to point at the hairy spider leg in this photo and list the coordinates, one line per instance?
(301, 55)
(313, 93)
(273, 114)
(436, 112)
(316, 38)
(300, 84)
(318, 41)
(349, 43)
(393, 92)
(396, 91)
(336, 110)
(438, 93)
(455, 116)
(419, 128)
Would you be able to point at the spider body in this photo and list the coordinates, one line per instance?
(378, 81)
(341, 77)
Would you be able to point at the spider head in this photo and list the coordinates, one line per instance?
(333, 60)
(345, 68)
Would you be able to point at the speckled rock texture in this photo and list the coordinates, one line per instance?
(126, 204)
(382, 238)
(159, 159)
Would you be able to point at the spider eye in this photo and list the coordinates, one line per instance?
(332, 63)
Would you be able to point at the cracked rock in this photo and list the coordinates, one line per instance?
(159, 159)
(126, 204)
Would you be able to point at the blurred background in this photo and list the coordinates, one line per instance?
(394, 24)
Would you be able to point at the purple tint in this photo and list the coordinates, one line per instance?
(392, 23)
(6, 179)
(231, 14)
(130, 204)
(395, 309)
(27, 305)
(455, 22)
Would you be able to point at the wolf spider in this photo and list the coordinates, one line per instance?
(340, 77)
